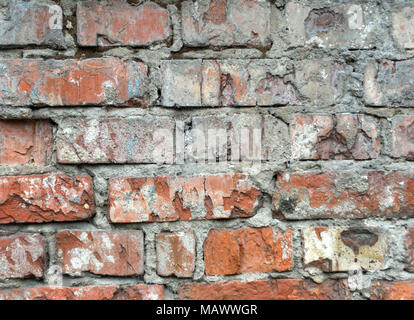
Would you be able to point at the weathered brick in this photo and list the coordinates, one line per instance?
(232, 82)
(343, 249)
(389, 83)
(97, 81)
(284, 289)
(349, 25)
(403, 137)
(228, 252)
(409, 245)
(133, 140)
(322, 82)
(344, 195)
(108, 292)
(403, 27)
(392, 290)
(224, 23)
(22, 256)
(176, 254)
(101, 252)
(181, 198)
(105, 24)
(31, 23)
(346, 136)
(240, 137)
(45, 198)
(25, 142)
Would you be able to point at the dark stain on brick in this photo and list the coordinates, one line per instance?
(323, 20)
(281, 87)
(226, 90)
(357, 238)
(323, 264)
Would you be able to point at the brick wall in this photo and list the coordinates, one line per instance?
(206, 149)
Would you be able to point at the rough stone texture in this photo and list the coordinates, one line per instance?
(100, 252)
(115, 23)
(31, 23)
(389, 83)
(33, 82)
(344, 195)
(45, 198)
(228, 252)
(110, 292)
(388, 290)
(342, 249)
(227, 83)
(286, 289)
(409, 244)
(182, 198)
(22, 256)
(349, 25)
(403, 27)
(321, 82)
(25, 142)
(176, 254)
(136, 140)
(223, 23)
(346, 136)
(403, 137)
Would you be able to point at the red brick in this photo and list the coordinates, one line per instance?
(350, 25)
(25, 142)
(133, 140)
(226, 23)
(228, 252)
(31, 24)
(344, 195)
(392, 290)
(403, 137)
(409, 244)
(181, 198)
(286, 289)
(101, 252)
(176, 254)
(109, 292)
(115, 23)
(22, 256)
(97, 81)
(346, 136)
(45, 198)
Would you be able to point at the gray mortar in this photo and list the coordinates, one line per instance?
(261, 177)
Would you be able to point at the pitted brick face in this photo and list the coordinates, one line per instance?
(392, 290)
(409, 245)
(181, 198)
(403, 137)
(115, 23)
(100, 252)
(109, 292)
(22, 256)
(45, 198)
(228, 252)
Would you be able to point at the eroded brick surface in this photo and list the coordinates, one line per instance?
(45, 198)
(392, 290)
(110, 292)
(96, 81)
(409, 246)
(115, 23)
(101, 252)
(349, 25)
(135, 140)
(346, 136)
(176, 254)
(343, 249)
(31, 23)
(286, 289)
(22, 256)
(403, 27)
(228, 252)
(344, 195)
(226, 23)
(181, 198)
(403, 137)
(25, 142)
